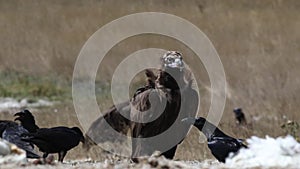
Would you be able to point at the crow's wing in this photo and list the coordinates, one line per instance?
(62, 138)
(222, 146)
(3, 124)
(13, 133)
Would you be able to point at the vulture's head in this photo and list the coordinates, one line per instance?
(171, 74)
(172, 60)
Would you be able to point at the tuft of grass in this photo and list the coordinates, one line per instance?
(20, 85)
(292, 128)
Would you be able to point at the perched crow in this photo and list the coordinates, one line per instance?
(220, 144)
(27, 120)
(239, 116)
(55, 140)
(13, 132)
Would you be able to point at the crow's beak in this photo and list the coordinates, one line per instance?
(18, 118)
(189, 120)
(19, 114)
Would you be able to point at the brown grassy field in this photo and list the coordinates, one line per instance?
(258, 43)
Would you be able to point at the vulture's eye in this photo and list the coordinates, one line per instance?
(170, 60)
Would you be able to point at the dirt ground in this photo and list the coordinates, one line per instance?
(192, 153)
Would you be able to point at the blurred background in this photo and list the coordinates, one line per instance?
(258, 43)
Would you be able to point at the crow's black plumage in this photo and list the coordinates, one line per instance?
(55, 140)
(220, 144)
(239, 116)
(13, 132)
(27, 120)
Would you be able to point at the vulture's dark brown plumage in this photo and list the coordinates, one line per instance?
(98, 132)
(173, 93)
(156, 107)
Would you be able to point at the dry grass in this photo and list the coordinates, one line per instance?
(258, 43)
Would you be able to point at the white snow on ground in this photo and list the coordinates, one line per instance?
(10, 153)
(8, 103)
(283, 152)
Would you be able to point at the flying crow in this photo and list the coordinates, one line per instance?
(55, 140)
(220, 144)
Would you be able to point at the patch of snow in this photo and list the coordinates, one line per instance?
(267, 152)
(8, 103)
(10, 153)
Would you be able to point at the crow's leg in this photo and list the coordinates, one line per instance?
(45, 155)
(170, 153)
(61, 156)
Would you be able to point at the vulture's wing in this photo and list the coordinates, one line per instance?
(98, 131)
(147, 111)
(151, 114)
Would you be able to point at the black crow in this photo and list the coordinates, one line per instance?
(13, 132)
(55, 140)
(27, 120)
(239, 116)
(220, 144)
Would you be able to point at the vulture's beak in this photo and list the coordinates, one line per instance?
(177, 63)
(189, 120)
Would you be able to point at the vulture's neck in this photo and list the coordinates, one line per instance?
(170, 79)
